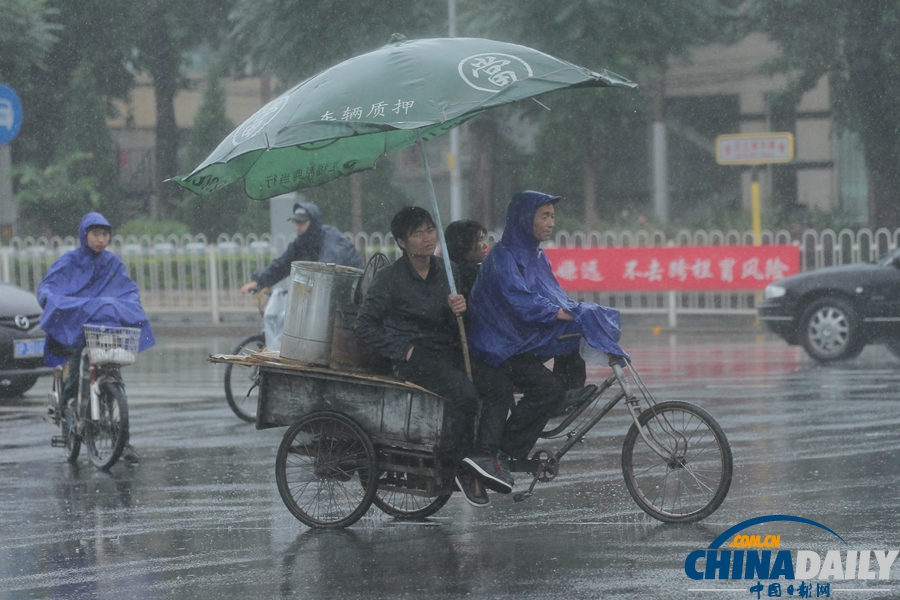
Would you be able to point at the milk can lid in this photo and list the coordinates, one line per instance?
(318, 267)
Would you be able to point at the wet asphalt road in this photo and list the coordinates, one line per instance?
(200, 516)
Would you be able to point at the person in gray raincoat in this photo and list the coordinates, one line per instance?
(315, 242)
(517, 309)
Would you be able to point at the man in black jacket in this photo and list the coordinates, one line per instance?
(409, 316)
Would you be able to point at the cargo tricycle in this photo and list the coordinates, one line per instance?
(355, 439)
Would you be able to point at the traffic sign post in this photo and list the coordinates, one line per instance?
(10, 123)
(755, 149)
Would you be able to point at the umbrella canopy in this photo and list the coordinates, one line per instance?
(345, 118)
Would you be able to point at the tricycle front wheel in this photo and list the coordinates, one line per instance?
(326, 470)
(691, 480)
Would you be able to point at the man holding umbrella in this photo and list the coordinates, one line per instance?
(409, 316)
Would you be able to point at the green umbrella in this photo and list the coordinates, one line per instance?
(347, 117)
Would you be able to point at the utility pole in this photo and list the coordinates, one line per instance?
(660, 155)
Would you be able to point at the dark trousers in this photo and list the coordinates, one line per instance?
(541, 391)
(72, 374)
(444, 374)
(571, 370)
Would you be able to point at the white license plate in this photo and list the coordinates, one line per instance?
(28, 348)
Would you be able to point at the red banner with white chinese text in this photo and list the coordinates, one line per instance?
(673, 268)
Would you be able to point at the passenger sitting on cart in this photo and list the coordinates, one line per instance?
(409, 316)
(517, 309)
(467, 247)
(88, 285)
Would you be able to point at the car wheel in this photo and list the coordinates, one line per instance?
(17, 385)
(829, 330)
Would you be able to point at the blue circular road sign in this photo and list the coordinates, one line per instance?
(10, 114)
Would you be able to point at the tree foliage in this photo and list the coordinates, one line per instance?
(94, 33)
(223, 212)
(297, 41)
(854, 44)
(165, 30)
(295, 44)
(84, 131)
(26, 36)
(585, 136)
(53, 199)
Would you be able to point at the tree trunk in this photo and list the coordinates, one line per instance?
(163, 64)
(868, 78)
(484, 133)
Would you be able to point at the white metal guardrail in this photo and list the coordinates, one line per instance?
(189, 275)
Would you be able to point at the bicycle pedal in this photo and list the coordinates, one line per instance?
(58, 441)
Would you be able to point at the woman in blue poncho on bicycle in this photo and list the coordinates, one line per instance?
(87, 285)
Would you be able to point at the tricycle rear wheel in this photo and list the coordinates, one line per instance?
(326, 470)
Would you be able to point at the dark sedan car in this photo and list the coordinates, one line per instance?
(834, 312)
(21, 341)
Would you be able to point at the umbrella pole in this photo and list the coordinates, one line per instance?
(446, 256)
(449, 270)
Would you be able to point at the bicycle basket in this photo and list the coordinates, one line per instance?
(112, 345)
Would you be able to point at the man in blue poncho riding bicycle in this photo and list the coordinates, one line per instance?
(517, 310)
(87, 285)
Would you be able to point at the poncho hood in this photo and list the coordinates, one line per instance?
(520, 213)
(92, 219)
(310, 243)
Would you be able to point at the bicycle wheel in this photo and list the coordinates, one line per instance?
(692, 481)
(402, 505)
(107, 436)
(239, 380)
(326, 470)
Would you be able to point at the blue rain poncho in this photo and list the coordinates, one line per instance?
(513, 305)
(84, 286)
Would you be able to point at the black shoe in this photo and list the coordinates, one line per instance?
(490, 472)
(503, 463)
(130, 456)
(475, 494)
(573, 399)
